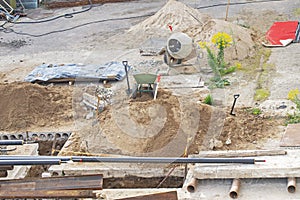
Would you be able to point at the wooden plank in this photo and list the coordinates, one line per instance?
(281, 166)
(86, 182)
(47, 194)
(158, 196)
(239, 153)
(291, 137)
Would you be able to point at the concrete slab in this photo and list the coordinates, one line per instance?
(281, 166)
(21, 171)
(291, 137)
(116, 170)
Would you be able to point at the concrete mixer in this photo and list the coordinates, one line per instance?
(179, 46)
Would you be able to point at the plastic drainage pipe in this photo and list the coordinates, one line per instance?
(235, 188)
(30, 162)
(11, 142)
(291, 185)
(192, 185)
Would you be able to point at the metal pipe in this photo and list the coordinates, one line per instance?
(11, 142)
(235, 188)
(291, 185)
(62, 158)
(164, 160)
(30, 162)
(134, 159)
(192, 185)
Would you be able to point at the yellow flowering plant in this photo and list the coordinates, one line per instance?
(293, 96)
(216, 61)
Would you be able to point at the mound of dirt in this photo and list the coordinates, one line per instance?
(198, 26)
(169, 124)
(25, 105)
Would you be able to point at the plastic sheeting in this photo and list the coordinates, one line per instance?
(50, 72)
(281, 31)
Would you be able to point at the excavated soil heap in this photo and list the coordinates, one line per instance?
(25, 105)
(169, 124)
(199, 26)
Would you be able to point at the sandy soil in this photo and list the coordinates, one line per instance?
(140, 126)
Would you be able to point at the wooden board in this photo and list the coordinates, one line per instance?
(85, 182)
(47, 194)
(291, 137)
(159, 196)
(239, 153)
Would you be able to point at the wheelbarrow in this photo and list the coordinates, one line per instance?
(144, 83)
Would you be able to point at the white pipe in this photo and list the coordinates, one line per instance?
(192, 185)
(291, 185)
(235, 188)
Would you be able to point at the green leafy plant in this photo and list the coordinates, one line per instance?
(261, 94)
(216, 60)
(293, 96)
(256, 111)
(208, 100)
(293, 118)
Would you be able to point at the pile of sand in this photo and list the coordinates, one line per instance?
(24, 106)
(199, 26)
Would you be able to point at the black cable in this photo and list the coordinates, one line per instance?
(9, 30)
(6, 30)
(68, 15)
(238, 3)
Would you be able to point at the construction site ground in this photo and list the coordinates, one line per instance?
(178, 118)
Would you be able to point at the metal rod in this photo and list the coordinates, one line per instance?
(131, 159)
(291, 185)
(11, 142)
(30, 162)
(163, 160)
(227, 9)
(61, 158)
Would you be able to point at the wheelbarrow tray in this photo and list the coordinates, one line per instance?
(143, 78)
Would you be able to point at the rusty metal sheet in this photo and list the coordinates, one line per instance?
(158, 196)
(48, 194)
(291, 137)
(85, 182)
